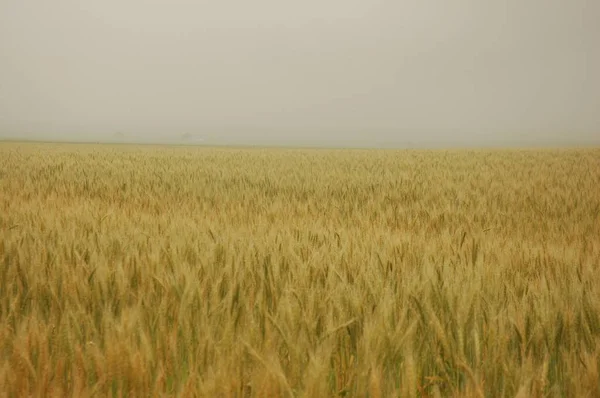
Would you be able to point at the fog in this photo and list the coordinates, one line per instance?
(327, 72)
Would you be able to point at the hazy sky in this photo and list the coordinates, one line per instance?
(320, 70)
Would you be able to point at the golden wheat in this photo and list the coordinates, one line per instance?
(152, 271)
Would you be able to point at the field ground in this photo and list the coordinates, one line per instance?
(152, 271)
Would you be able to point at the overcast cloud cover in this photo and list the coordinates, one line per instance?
(353, 72)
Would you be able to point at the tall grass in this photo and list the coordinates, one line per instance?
(149, 271)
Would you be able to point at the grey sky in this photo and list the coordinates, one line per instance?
(311, 70)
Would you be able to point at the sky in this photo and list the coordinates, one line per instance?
(323, 72)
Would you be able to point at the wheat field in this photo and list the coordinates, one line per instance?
(230, 272)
